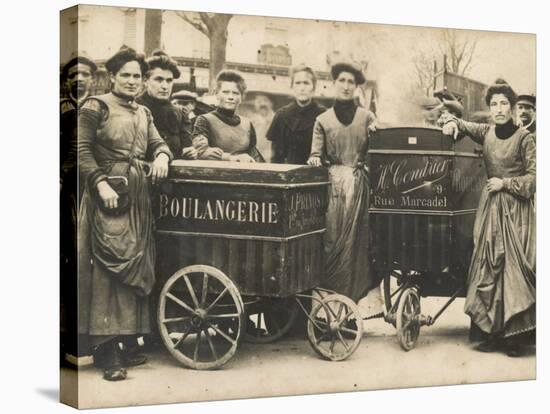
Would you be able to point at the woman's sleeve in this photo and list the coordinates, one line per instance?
(253, 149)
(524, 186)
(474, 130)
(155, 144)
(318, 141)
(201, 141)
(275, 135)
(89, 120)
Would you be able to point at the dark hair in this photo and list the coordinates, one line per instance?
(122, 57)
(502, 87)
(231, 76)
(159, 59)
(302, 68)
(75, 61)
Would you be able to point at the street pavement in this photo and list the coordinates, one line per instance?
(442, 356)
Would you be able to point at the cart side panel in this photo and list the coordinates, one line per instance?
(257, 267)
(411, 242)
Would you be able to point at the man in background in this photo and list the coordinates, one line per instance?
(77, 77)
(187, 100)
(526, 110)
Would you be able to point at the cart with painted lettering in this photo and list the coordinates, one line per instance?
(425, 190)
(240, 253)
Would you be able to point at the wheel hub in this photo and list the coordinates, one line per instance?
(334, 326)
(199, 317)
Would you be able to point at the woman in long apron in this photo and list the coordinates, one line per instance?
(116, 247)
(501, 280)
(340, 139)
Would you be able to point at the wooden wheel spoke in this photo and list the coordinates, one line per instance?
(320, 339)
(331, 311)
(178, 319)
(340, 311)
(204, 288)
(332, 343)
(185, 335)
(223, 316)
(345, 318)
(191, 291)
(342, 340)
(180, 302)
(223, 334)
(221, 295)
(197, 346)
(210, 344)
(351, 331)
(407, 324)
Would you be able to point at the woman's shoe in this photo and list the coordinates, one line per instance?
(487, 346)
(132, 358)
(512, 347)
(114, 374)
(111, 361)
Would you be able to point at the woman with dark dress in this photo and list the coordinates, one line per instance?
(340, 138)
(222, 134)
(116, 247)
(292, 127)
(501, 280)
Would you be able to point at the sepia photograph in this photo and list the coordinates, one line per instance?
(256, 206)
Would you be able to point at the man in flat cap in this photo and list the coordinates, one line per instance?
(77, 76)
(526, 108)
(187, 100)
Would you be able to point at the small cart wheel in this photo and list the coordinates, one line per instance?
(392, 285)
(269, 319)
(200, 317)
(335, 327)
(408, 324)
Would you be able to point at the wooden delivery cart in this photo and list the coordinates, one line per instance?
(240, 248)
(425, 189)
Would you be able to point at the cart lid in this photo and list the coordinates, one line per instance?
(238, 172)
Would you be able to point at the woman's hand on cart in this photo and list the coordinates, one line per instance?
(314, 161)
(107, 194)
(241, 158)
(159, 168)
(200, 143)
(189, 153)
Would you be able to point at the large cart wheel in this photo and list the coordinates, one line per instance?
(269, 319)
(408, 323)
(335, 327)
(200, 317)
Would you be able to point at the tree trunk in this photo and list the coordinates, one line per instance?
(218, 43)
(153, 30)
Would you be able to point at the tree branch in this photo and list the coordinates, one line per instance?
(196, 22)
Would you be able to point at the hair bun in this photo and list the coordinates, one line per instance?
(501, 81)
(159, 52)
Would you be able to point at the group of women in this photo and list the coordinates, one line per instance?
(117, 138)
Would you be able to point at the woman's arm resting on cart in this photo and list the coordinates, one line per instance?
(456, 127)
(318, 147)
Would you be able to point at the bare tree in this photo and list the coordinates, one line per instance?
(153, 30)
(459, 49)
(213, 26)
(455, 50)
